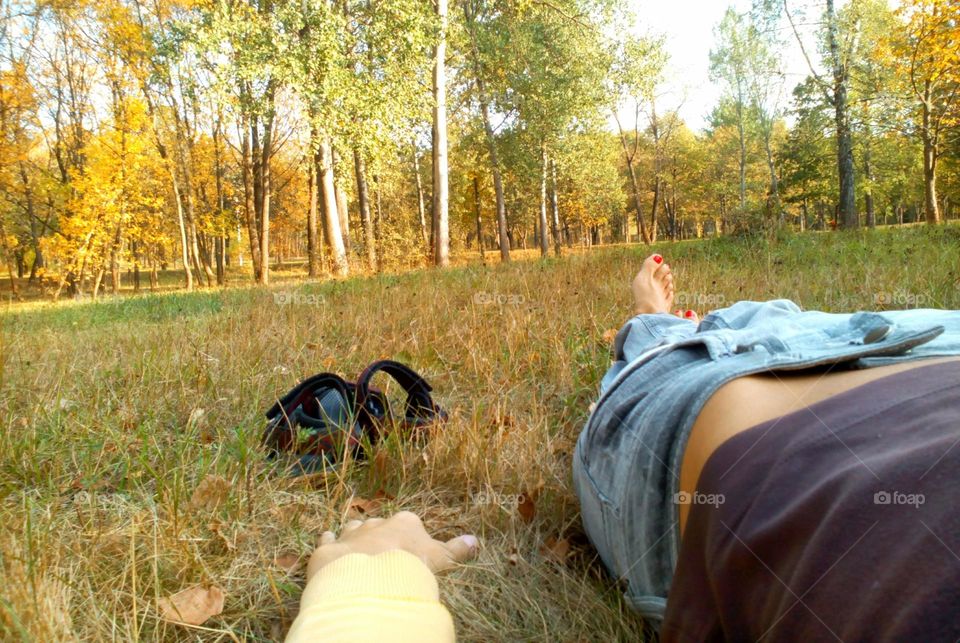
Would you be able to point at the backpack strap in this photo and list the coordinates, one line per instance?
(286, 415)
(303, 391)
(420, 409)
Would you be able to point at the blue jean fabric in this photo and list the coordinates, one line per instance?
(626, 465)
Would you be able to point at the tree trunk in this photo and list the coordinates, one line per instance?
(266, 152)
(476, 206)
(634, 184)
(32, 216)
(8, 256)
(135, 251)
(554, 208)
(868, 190)
(441, 197)
(774, 180)
(847, 205)
(221, 247)
(115, 262)
(652, 233)
(502, 231)
(331, 217)
(250, 201)
(313, 241)
(343, 212)
(497, 181)
(96, 283)
(742, 158)
(199, 264)
(421, 210)
(931, 208)
(184, 245)
(363, 197)
(544, 241)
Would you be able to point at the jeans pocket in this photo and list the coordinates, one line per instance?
(598, 513)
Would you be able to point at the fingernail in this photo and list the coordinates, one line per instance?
(658, 259)
(689, 313)
(471, 541)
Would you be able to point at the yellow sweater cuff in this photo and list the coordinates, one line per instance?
(392, 596)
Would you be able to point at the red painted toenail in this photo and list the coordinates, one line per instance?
(689, 313)
(658, 258)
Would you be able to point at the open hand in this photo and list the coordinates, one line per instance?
(403, 531)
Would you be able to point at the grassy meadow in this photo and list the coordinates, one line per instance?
(130, 466)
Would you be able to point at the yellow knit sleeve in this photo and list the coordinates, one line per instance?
(389, 597)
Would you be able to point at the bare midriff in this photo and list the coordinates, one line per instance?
(748, 401)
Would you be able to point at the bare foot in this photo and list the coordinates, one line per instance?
(653, 286)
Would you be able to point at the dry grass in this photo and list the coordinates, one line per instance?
(129, 461)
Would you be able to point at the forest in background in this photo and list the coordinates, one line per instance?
(360, 135)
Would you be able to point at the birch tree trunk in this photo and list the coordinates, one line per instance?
(330, 215)
(476, 206)
(343, 211)
(313, 241)
(441, 196)
(554, 207)
(544, 242)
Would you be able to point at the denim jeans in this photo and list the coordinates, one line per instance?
(627, 461)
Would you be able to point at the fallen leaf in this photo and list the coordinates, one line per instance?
(526, 507)
(193, 605)
(212, 491)
(289, 561)
(380, 494)
(556, 549)
(361, 509)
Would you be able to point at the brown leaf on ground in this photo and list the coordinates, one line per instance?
(555, 549)
(289, 561)
(526, 507)
(193, 606)
(210, 493)
(361, 509)
(380, 494)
